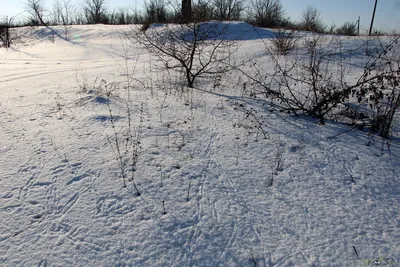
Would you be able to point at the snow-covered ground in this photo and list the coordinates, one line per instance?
(215, 190)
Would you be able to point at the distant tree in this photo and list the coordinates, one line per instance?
(228, 9)
(203, 11)
(155, 11)
(79, 17)
(134, 17)
(35, 9)
(311, 20)
(267, 13)
(5, 34)
(111, 17)
(120, 17)
(95, 11)
(186, 11)
(63, 12)
(331, 29)
(348, 28)
(194, 49)
(63, 15)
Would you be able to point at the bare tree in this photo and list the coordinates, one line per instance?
(63, 15)
(203, 11)
(119, 17)
(36, 9)
(135, 17)
(267, 13)
(196, 49)
(63, 12)
(311, 20)
(79, 16)
(95, 11)
(155, 11)
(5, 34)
(186, 11)
(228, 9)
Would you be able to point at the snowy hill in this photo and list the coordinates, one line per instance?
(206, 184)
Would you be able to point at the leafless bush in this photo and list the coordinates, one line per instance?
(314, 82)
(145, 26)
(310, 82)
(380, 87)
(284, 41)
(348, 28)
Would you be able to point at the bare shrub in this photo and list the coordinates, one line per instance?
(380, 87)
(145, 26)
(348, 28)
(306, 83)
(314, 82)
(284, 41)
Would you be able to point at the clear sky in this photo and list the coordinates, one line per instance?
(332, 11)
(387, 15)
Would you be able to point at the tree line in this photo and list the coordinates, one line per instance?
(262, 13)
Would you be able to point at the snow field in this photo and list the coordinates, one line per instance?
(62, 201)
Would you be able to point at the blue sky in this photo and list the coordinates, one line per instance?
(332, 11)
(338, 11)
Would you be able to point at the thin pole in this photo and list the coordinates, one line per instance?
(373, 17)
(358, 26)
